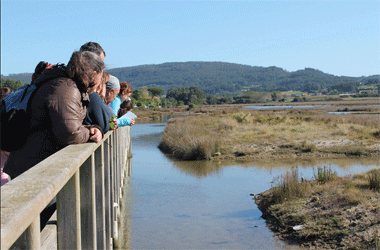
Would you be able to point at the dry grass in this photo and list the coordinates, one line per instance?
(248, 133)
(187, 140)
(339, 213)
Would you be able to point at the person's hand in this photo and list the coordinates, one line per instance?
(115, 124)
(132, 121)
(96, 135)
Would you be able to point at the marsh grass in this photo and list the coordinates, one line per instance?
(187, 140)
(229, 130)
(325, 174)
(338, 212)
(374, 179)
(289, 186)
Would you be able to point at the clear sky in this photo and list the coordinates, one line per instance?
(336, 37)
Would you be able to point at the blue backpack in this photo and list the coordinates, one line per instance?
(14, 119)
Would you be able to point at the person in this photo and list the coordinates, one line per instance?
(125, 92)
(5, 178)
(4, 92)
(57, 111)
(125, 107)
(98, 112)
(112, 89)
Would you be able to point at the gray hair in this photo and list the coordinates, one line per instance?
(82, 65)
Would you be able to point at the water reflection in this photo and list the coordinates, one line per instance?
(171, 204)
(202, 169)
(285, 106)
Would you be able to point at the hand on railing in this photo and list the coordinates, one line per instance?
(96, 135)
(114, 124)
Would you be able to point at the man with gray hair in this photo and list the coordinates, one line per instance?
(112, 90)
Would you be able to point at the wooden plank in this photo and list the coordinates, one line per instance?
(100, 198)
(68, 215)
(31, 238)
(49, 234)
(88, 204)
(108, 193)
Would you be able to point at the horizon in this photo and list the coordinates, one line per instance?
(340, 38)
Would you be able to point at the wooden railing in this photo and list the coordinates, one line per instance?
(85, 180)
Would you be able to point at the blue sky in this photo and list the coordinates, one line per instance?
(336, 37)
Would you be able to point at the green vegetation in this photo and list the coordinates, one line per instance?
(196, 83)
(11, 83)
(338, 212)
(228, 79)
(324, 175)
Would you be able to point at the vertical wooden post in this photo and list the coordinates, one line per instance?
(68, 215)
(31, 238)
(88, 205)
(100, 198)
(107, 196)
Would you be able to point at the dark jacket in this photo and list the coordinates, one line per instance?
(98, 113)
(56, 113)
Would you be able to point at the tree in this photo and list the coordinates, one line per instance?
(145, 95)
(155, 91)
(136, 94)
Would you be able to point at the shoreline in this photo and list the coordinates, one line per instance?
(327, 218)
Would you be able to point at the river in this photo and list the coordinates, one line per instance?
(169, 204)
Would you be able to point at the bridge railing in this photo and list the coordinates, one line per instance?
(85, 180)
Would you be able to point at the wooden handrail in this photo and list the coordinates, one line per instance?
(86, 181)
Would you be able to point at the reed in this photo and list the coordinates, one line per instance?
(374, 179)
(325, 174)
(289, 187)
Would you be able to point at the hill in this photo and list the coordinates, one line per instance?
(220, 78)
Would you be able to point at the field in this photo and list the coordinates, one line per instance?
(235, 132)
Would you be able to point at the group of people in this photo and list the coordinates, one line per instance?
(75, 104)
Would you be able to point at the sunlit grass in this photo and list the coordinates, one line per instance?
(205, 133)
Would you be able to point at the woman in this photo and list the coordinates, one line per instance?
(57, 111)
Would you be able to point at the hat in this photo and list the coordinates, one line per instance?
(113, 83)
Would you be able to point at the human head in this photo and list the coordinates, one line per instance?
(94, 47)
(101, 90)
(86, 70)
(127, 105)
(4, 92)
(125, 90)
(113, 88)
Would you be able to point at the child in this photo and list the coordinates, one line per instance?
(125, 107)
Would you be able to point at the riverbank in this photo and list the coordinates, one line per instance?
(238, 133)
(329, 212)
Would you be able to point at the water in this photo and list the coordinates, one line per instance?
(284, 106)
(203, 205)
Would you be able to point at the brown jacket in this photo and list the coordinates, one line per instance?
(56, 114)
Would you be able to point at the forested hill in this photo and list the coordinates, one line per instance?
(221, 78)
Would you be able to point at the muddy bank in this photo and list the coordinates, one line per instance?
(342, 214)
